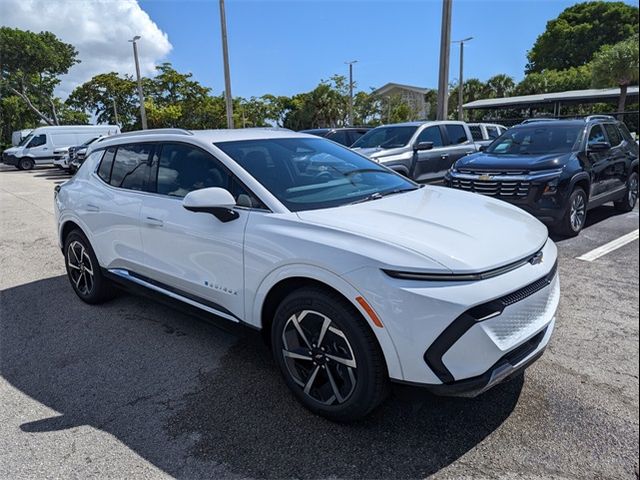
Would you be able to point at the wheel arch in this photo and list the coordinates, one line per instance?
(66, 227)
(582, 180)
(287, 279)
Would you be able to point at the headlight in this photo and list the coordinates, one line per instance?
(551, 188)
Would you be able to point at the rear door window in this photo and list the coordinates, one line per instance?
(615, 138)
(476, 132)
(457, 133)
(132, 166)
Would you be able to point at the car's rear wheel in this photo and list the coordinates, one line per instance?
(26, 164)
(575, 217)
(83, 270)
(328, 355)
(628, 202)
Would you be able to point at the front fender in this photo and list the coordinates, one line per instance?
(319, 274)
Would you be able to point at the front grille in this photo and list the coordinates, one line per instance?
(530, 289)
(517, 188)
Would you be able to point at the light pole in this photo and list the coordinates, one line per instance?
(115, 110)
(143, 112)
(461, 79)
(227, 74)
(351, 90)
(445, 47)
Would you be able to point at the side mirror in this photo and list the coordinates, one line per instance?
(599, 147)
(482, 148)
(421, 146)
(216, 201)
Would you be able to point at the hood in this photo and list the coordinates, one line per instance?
(12, 150)
(489, 161)
(376, 152)
(463, 232)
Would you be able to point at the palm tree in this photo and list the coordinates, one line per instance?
(501, 85)
(617, 65)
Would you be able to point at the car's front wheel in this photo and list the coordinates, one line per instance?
(83, 270)
(328, 355)
(26, 164)
(575, 217)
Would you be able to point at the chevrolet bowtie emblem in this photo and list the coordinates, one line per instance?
(485, 177)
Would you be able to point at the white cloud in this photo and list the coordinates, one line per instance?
(99, 29)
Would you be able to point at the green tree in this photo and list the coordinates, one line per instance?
(474, 89)
(617, 65)
(106, 96)
(14, 115)
(31, 66)
(575, 78)
(500, 86)
(579, 32)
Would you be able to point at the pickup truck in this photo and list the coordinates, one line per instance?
(485, 133)
(422, 151)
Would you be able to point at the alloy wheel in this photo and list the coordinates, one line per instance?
(319, 357)
(578, 212)
(80, 268)
(633, 191)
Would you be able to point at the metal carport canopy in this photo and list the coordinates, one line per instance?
(573, 96)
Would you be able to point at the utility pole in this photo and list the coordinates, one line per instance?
(445, 47)
(461, 78)
(227, 74)
(143, 112)
(115, 110)
(351, 91)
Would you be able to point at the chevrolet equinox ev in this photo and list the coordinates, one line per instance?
(356, 275)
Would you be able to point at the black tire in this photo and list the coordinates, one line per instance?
(360, 387)
(80, 260)
(575, 217)
(26, 163)
(628, 202)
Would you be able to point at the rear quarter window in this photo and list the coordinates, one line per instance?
(104, 170)
(615, 138)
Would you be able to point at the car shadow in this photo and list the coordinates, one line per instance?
(178, 391)
(594, 217)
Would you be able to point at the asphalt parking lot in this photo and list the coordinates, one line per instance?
(132, 389)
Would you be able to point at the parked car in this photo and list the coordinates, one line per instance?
(354, 277)
(556, 170)
(422, 151)
(78, 154)
(38, 147)
(344, 136)
(485, 133)
(61, 157)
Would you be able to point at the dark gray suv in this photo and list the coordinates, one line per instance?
(422, 151)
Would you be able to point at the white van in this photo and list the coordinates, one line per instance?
(38, 147)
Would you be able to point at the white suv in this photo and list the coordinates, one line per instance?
(355, 274)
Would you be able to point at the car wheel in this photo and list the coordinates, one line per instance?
(328, 355)
(630, 199)
(26, 164)
(83, 270)
(576, 215)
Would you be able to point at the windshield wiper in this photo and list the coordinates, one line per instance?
(366, 170)
(379, 195)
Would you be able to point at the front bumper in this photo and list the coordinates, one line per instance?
(9, 159)
(435, 350)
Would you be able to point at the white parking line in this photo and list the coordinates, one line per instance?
(610, 247)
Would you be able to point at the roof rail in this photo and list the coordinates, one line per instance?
(599, 117)
(154, 131)
(539, 119)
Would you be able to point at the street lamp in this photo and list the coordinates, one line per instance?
(351, 90)
(227, 74)
(143, 112)
(445, 44)
(461, 79)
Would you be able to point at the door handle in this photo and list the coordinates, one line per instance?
(156, 222)
(92, 208)
(444, 156)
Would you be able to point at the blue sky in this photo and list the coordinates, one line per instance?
(286, 47)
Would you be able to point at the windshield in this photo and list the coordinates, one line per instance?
(537, 140)
(313, 173)
(25, 140)
(386, 137)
